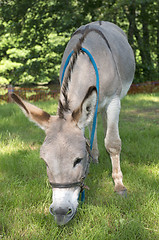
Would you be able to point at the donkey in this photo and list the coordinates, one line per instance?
(99, 52)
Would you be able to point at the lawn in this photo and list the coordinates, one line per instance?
(25, 194)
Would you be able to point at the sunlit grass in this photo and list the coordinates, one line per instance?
(25, 194)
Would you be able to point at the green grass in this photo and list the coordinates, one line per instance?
(25, 195)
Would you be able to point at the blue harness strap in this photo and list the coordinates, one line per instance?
(81, 196)
(97, 87)
(96, 109)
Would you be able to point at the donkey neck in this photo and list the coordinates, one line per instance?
(82, 77)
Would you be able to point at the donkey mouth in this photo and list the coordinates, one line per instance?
(63, 219)
(62, 216)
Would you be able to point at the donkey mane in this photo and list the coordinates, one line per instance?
(64, 106)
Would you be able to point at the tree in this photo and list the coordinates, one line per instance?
(34, 34)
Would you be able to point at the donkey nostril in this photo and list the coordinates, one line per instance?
(69, 211)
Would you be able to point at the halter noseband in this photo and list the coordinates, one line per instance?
(68, 185)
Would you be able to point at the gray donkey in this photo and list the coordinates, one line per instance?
(97, 54)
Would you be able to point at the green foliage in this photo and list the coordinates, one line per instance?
(25, 194)
(8, 66)
(37, 64)
(34, 33)
(17, 54)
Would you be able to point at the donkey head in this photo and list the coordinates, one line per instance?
(64, 151)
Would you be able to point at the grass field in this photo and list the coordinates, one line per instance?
(25, 194)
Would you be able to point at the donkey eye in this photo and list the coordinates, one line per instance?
(77, 161)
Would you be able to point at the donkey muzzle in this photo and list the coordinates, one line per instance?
(62, 215)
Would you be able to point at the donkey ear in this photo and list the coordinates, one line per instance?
(85, 113)
(34, 113)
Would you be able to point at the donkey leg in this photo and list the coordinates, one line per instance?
(104, 119)
(113, 144)
(95, 151)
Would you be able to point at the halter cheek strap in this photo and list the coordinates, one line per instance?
(97, 87)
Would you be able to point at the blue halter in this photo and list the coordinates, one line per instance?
(97, 87)
(96, 110)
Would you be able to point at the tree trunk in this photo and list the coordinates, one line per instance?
(141, 38)
(146, 60)
(157, 51)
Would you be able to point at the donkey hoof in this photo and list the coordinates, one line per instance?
(123, 193)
